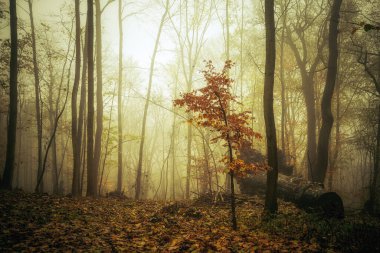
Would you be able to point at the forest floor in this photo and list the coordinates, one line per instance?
(43, 223)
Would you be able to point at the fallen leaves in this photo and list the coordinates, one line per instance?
(41, 223)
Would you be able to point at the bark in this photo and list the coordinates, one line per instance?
(92, 179)
(37, 93)
(75, 187)
(6, 182)
(119, 105)
(327, 117)
(153, 60)
(99, 89)
(270, 128)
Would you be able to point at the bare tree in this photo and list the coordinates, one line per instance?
(151, 70)
(306, 20)
(191, 39)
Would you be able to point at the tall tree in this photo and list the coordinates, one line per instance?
(75, 188)
(119, 104)
(92, 179)
(327, 117)
(37, 92)
(151, 70)
(99, 84)
(6, 182)
(270, 127)
(307, 64)
(191, 42)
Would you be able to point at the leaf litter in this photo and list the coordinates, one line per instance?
(41, 223)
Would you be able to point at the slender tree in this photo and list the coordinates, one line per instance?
(75, 188)
(6, 182)
(119, 104)
(270, 127)
(37, 93)
(327, 117)
(151, 70)
(92, 180)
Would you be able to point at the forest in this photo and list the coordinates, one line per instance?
(190, 126)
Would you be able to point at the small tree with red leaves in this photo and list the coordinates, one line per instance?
(212, 108)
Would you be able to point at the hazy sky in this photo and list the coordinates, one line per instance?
(139, 31)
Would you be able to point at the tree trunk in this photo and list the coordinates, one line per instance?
(92, 179)
(271, 192)
(99, 89)
(6, 182)
(37, 92)
(74, 121)
(141, 150)
(327, 117)
(119, 105)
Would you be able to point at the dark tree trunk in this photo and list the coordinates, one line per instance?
(141, 150)
(6, 182)
(99, 89)
(327, 117)
(75, 188)
(37, 92)
(271, 193)
(119, 106)
(91, 170)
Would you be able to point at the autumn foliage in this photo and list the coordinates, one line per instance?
(212, 107)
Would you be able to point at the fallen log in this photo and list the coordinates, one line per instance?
(306, 195)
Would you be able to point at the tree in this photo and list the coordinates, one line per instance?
(209, 106)
(92, 172)
(99, 85)
(37, 92)
(308, 61)
(74, 121)
(270, 127)
(151, 70)
(119, 104)
(327, 117)
(191, 42)
(6, 182)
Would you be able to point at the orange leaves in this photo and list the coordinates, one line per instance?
(212, 108)
(242, 169)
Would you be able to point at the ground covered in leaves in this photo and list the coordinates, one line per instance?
(30, 222)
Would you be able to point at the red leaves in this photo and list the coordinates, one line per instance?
(212, 108)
